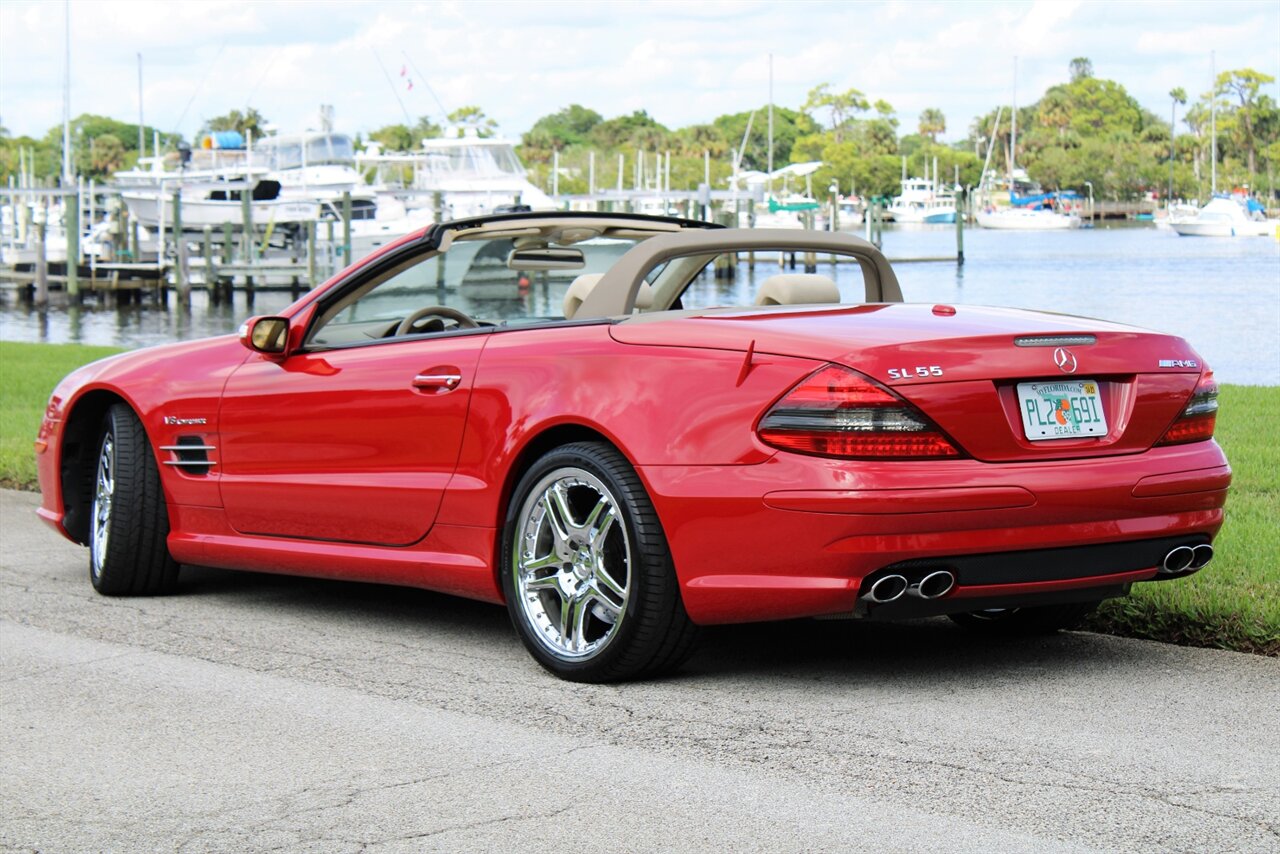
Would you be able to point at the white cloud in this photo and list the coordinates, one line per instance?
(684, 62)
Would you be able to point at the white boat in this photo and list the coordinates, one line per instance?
(922, 201)
(473, 175)
(1224, 216)
(1026, 219)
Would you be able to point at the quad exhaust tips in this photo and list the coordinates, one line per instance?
(888, 588)
(934, 585)
(1186, 559)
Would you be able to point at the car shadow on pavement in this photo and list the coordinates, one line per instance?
(818, 650)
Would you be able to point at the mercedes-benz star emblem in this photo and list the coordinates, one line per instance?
(1065, 360)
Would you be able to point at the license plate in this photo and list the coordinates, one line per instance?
(1063, 409)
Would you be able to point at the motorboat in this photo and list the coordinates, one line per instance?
(923, 201)
(1224, 216)
(1027, 219)
(472, 175)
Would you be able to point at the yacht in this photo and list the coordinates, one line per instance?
(473, 175)
(1224, 216)
(922, 200)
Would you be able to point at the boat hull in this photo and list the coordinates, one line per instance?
(1022, 220)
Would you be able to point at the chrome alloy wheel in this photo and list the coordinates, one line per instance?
(103, 494)
(572, 564)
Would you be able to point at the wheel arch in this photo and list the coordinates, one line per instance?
(78, 453)
(538, 444)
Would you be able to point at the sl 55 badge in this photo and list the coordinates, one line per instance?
(917, 371)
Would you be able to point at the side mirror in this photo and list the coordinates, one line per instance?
(266, 335)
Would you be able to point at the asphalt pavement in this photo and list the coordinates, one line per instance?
(253, 712)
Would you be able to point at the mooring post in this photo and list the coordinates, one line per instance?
(71, 224)
(42, 260)
(346, 228)
(210, 277)
(179, 252)
(246, 225)
(962, 198)
(311, 254)
(135, 245)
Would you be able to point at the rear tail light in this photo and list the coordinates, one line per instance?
(837, 412)
(1195, 423)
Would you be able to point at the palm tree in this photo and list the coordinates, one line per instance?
(932, 123)
(1179, 96)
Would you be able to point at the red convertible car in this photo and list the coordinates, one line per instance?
(557, 412)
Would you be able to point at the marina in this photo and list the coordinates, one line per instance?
(1132, 273)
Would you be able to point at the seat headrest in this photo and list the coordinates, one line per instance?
(584, 284)
(797, 289)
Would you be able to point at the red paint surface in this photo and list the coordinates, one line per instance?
(333, 464)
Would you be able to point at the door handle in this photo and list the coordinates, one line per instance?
(443, 382)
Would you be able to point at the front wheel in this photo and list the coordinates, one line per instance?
(1036, 620)
(587, 573)
(128, 520)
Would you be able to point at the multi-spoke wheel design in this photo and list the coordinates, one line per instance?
(587, 572)
(128, 519)
(573, 563)
(103, 493)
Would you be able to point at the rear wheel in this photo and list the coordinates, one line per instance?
(587, 573)
(129, 522)
(1036, 620)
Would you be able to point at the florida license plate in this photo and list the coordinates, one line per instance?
(1063, 409)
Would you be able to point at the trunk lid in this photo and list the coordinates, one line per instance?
(962, 365)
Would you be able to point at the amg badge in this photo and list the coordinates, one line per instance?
(173, 421)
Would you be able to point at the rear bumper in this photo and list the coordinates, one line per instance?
(795, 536)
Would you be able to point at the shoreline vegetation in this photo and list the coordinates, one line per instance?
(1085, 132)
(1234, 604)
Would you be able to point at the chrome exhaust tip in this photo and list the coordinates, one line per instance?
(886, 589)
(934, 585)
(1201, 555)
(1179, 559)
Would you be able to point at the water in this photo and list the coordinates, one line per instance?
(1222, 295)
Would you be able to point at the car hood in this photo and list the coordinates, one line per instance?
(964, 342)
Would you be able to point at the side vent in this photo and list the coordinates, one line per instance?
(191, 455)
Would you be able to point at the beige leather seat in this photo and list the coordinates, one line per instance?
(583, 285)
(797, 289)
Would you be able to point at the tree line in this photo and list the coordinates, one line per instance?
(1086, 130)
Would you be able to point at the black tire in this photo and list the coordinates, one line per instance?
(600, 603)
(128, 518)
(1037, 620)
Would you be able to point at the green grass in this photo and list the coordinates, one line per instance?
(1234, 604)
(28, 373)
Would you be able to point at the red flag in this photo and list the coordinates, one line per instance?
(411, 84)
(404, 70)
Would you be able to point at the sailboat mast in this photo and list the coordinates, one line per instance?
(142, 148)
(66, 94)
(1213, 122)
(1013, 125)
(770, 177)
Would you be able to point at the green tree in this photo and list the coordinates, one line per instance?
(932, 122)
(472, 116)
(841, 107)
(249, 122)
(561, 129)
(1081, 69)
(395, 137)
(788, 126)
(1244, 85)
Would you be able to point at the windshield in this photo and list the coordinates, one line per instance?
(330, 149)
(473, 277)
(473, 160)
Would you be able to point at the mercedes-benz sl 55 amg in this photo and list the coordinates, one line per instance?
(556, 412)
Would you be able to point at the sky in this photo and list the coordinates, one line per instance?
(684, 62)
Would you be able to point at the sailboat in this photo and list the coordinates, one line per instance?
(1036, 211)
